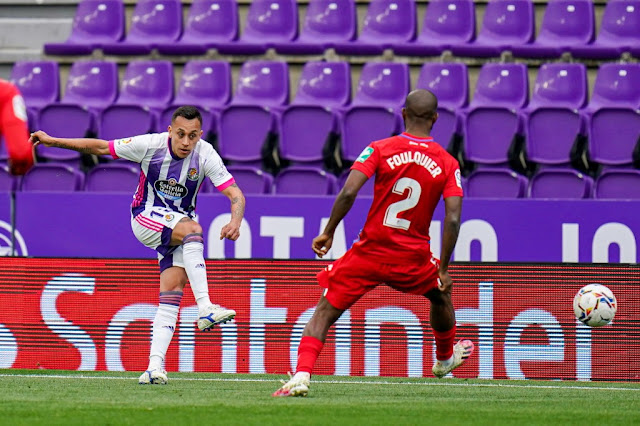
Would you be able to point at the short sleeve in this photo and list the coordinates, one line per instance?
(132, 149)
(215, 170)
(367, 162)
(453, 184)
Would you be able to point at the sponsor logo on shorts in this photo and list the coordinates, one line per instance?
(366, 153)
(170, 189)
(123, 141)
(458, 178)
(200, 266)
(192, 174)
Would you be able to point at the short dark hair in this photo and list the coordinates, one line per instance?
(187, 111)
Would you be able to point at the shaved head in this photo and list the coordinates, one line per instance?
(421, 104)
(420, 111)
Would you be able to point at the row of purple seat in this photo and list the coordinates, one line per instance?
(558, 111)
(298, 180)
(567, 26)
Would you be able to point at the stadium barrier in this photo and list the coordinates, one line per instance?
(85, 224)
(90, 314)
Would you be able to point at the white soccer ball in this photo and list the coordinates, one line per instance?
(594, 305)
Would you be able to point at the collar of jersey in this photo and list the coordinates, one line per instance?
(415, 138)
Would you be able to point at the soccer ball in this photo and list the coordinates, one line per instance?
(594, 305)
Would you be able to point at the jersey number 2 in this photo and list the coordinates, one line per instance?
(391, 216)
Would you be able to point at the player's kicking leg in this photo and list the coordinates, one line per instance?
(188, 233)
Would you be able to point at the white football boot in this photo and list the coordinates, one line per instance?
(461, 351)
(212, 315)
(297, 385)
(153, 377)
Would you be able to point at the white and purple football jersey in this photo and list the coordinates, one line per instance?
(165, 179)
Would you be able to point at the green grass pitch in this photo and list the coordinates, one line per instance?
(30, 397)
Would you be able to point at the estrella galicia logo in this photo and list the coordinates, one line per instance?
(366, 153)
(170, 189)
(11, 246)
(192, 174)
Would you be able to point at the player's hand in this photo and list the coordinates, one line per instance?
(40, 137)
(230, 231)
(446, 283)
(322, 244)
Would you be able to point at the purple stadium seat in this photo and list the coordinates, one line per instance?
(619, 32)
(560, 183)
(8, 182)
(446, 23)
(506, 23)
(311, 118)
(495, 183)
(450, 83)
(53, 177)
(252, 180)
(209, 23)
(97, 22)
(39, 84)
(552, 121)
(387, 23)
(298, 180)
(618, 184)
(493, 120)
(153, 22)
(374, 112)
(612, 114)
(326, 23)
(4, 153)
(91, 87)
(268, 22)
(113, 177)
(263, 86)
(566, 23)
(146, 90)
(367, 188)
(206, 85)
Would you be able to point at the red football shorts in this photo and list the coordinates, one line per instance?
(353, 275)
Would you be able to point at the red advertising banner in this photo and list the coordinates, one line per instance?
(90, 314)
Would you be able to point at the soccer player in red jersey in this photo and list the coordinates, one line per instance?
(14, 129)
(412, 173)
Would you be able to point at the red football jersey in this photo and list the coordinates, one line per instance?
(412, 173)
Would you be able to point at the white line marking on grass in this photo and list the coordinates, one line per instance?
(332, 382)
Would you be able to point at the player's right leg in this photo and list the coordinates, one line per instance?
(443, 323)
(172, 281)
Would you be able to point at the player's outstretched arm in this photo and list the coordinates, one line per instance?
(453, 209)
(231, 230)
(82, 145)
(343, 203)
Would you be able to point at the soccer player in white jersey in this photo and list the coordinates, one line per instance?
(173, 166)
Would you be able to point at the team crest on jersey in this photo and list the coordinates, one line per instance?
(458, 178)
(123, 141)
(168, 217)
(170, 189)
(192, 174)
(366, 153)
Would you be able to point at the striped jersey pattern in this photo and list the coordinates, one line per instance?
(165, 179)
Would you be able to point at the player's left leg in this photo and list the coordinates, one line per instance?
(188, 234)
(313, 337)
(172, 281)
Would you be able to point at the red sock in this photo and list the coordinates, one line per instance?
(444, 343)
(308, 352)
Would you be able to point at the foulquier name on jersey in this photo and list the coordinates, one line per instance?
(415, 157)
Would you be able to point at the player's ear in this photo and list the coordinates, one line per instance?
(435, 118)
(169, 128)
(404, 113)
